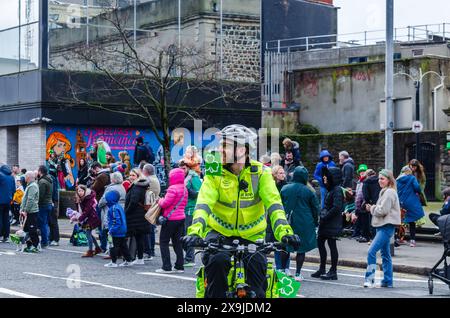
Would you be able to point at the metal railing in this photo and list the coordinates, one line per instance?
(419, 33)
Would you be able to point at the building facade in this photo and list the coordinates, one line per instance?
(42, 60)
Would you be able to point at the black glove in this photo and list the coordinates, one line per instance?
(190, 241)
(292, 240)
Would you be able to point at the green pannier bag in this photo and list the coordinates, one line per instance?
(272, 282)
(200, 283)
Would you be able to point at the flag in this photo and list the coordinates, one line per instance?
(287, 286)
(213, 164)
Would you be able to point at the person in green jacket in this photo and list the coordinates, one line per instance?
(29, 209)
(302, 211)
(193, 183)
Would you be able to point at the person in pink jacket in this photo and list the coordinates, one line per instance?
(173, 205)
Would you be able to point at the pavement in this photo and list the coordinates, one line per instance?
(409, 260)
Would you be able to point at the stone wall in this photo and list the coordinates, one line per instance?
(368, 148)
(365, 148)
(445, 166)
(200, 33)
(241, 50)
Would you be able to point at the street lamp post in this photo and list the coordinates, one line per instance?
(389, 65)
(417, 84)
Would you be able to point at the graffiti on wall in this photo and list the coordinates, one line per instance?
(68, 145)
(308, 85)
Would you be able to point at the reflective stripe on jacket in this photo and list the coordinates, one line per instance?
(222, 207)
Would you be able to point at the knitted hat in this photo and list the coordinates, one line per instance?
(139, 139)
(406, 170)
(361, 168)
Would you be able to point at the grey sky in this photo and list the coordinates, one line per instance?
(361, 15)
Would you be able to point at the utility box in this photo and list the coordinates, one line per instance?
(403, 113)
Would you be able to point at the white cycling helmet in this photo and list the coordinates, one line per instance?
(240, 134)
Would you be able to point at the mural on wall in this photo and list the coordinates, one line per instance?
(67, 145)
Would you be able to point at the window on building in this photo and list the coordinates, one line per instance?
(19, 29)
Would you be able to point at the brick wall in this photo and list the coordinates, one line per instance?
(31, 146)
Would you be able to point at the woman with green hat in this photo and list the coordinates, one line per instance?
(363, 220)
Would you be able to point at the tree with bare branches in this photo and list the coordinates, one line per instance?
(153, 83)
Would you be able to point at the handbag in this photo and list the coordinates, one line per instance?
(163, 219)
(153, 213)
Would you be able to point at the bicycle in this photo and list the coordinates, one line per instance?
(237, 286)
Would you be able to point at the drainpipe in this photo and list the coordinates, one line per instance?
(435, 104)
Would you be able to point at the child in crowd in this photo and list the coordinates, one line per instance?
(17, 201)
(117, 226)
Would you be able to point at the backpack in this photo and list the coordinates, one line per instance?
(78, 237)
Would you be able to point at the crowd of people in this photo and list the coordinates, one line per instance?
(340, 198)
(113, 196)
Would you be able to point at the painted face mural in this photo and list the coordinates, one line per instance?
(59, 160)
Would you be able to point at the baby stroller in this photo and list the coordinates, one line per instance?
(444, 273)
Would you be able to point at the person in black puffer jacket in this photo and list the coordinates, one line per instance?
(137, 225)
(330, 225)
(371, 192)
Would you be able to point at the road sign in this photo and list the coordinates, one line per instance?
(417, 127)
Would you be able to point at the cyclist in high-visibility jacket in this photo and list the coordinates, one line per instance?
(233, 206)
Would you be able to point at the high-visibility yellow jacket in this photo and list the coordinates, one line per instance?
(222, 207)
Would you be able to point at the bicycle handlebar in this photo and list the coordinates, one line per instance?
(237, 247)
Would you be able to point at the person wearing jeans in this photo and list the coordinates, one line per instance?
(385, 217)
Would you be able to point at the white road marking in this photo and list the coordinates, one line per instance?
(168, 276)
(17, 294)
(63, 250)
(331, 283)
(182, 278)
(7, 253)
(99, 284)
(378, 276)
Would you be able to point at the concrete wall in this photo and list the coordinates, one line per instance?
(9, 145)
(31, 146)
(3, 145)
(347, 98)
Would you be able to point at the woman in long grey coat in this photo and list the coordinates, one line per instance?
(302, 210)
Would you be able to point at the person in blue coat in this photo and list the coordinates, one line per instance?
(408, 192)
(302, 211)
(7, 189)
(117, 227)
(326, 160)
